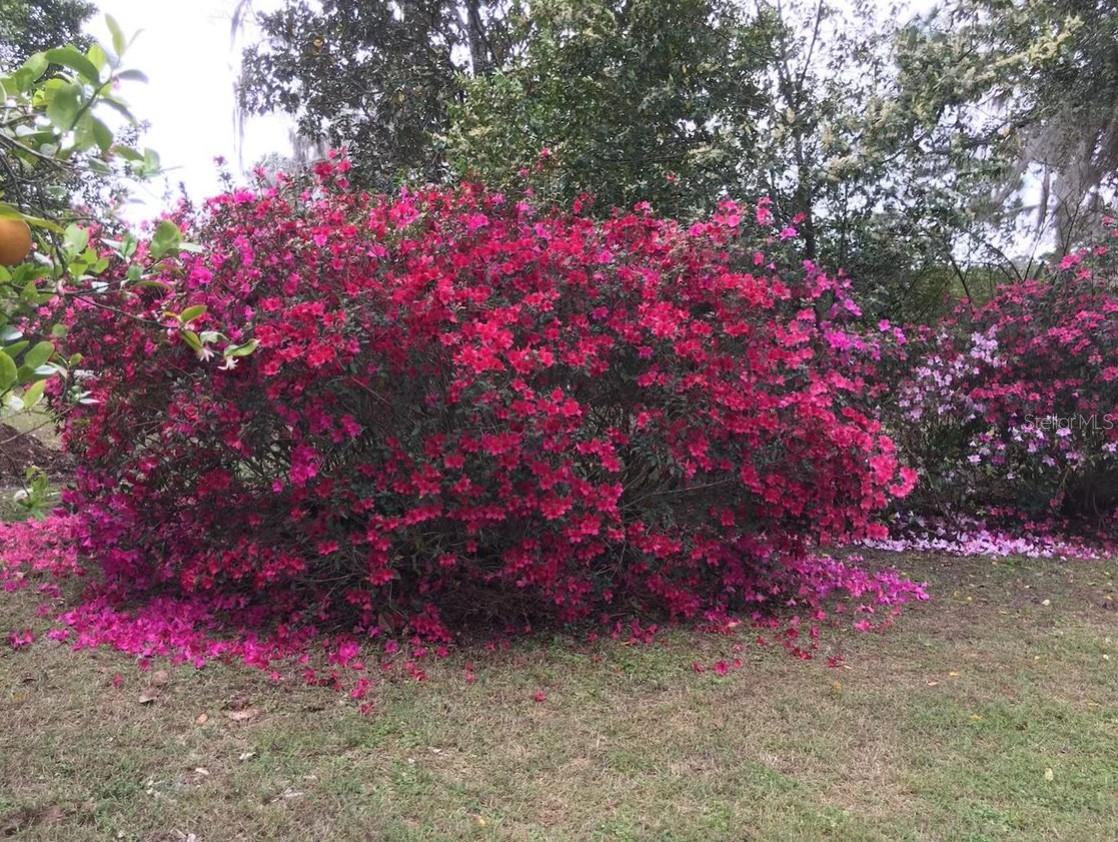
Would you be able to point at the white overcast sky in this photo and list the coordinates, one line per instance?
(185, 50)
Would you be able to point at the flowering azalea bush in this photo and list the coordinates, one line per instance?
(449, 408)
(1015, 403)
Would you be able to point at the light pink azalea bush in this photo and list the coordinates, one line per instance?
(1015, 403)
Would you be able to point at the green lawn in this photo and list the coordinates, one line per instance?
(990, 713)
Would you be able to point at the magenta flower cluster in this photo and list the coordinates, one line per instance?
(450, 409)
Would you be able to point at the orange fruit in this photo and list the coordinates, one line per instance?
(15, 241)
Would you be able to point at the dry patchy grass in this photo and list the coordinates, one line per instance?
(990, 713)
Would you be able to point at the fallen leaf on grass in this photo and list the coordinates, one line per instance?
(242, 715)
(287, 794)
(196, 777)
(147, 698)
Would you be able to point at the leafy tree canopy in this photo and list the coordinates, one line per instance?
(33, 26)
(645, 100)
(375, 76)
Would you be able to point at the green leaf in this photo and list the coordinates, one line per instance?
(132, 76)
(70, 57)
(29, 73)
(8, 372)
(83, 133)
(27, 374)
(91, 131)
(242, 350)
(96, 55)
(16, 348)
(165, 239)
(191, 313)
(192, 339)
(128, 245)
(75, 240)
(38, 355)
(150, 165)
(38, 222)
(127, 153)
(117, 33)
(33, 393)
(102, 134)
(64, 106)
